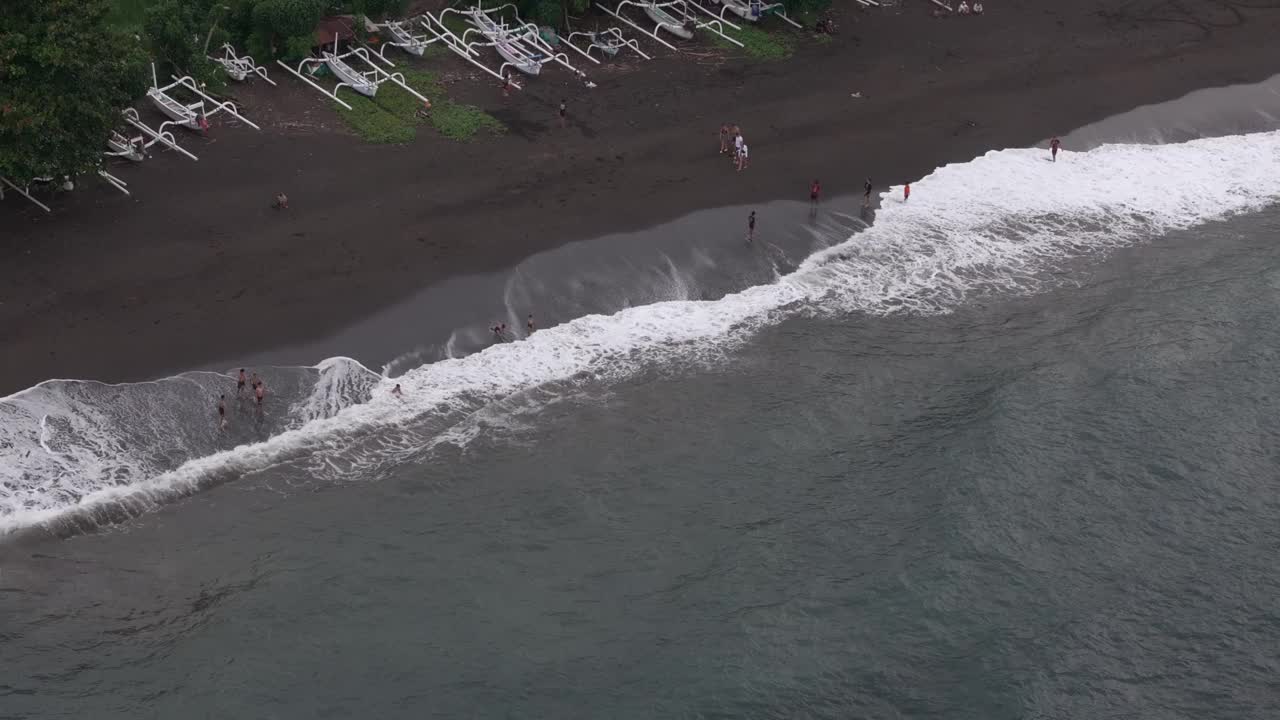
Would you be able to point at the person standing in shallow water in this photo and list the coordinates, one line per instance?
(906, 192)
(866, 193)
(751, 226)
(529, 324)
(222, 412)
(1053, 148)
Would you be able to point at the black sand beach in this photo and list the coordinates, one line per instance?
(196, 265)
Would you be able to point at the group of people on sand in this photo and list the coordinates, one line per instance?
(731, 141)
(256, 386)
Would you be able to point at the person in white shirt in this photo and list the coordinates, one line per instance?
(743, 156)
(977, 8)
(738, 142)
(964, 8)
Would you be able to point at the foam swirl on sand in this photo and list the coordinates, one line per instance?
(995, 224)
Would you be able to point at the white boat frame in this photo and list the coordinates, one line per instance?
(617, 13)
(402, 37)
(239, 68)
(365, 82)
(467, 51)
(161, 135)
(521, 46)
(193, 116)
(23, 191)
(755, 10)
(609, 47)
(132, 149)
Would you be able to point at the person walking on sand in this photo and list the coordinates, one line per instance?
(240, 383)
(743, 157)
(738, 142)
(815, 192)
(751, 227)
(222, 412)
(564, 114)
(281, 202)
(1053, 148)
(906, 192)
(724, 138)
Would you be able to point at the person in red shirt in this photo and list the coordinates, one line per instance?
(906, 192)
(815, 192)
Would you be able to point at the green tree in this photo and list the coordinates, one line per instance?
(64, 78)
(283, 28)
(177, 33)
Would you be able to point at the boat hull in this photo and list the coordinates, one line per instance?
(668, 23)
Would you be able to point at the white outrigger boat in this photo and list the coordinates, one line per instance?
(239, 68)
(675, 17)
(401, 36)
(755, 10)
(608, 42)
(657, 12)
(364, 82)
(520, 46)
(193, 116)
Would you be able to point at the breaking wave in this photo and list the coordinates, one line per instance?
(78, 454)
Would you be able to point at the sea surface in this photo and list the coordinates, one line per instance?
(1005, 451)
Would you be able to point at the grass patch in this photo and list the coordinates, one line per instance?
(128, 14)
(756, 43)
(392, 117)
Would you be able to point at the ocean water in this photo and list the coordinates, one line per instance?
(1005, 452)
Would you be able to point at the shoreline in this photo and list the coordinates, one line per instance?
(119, 289)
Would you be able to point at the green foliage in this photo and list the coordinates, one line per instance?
(127, 15)
(392, 116)
(176, 31)
(52, 121)
(756, 43)
(552, 12)
(278, 28)
(377, 9)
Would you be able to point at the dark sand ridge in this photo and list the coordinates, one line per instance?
(197, 266)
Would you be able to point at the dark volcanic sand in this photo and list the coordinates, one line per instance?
(195, 265)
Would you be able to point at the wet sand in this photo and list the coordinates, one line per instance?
(196, 266)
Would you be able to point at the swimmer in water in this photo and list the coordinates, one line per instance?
(240, 382)
(396, 391)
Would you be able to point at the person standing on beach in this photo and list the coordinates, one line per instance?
(744, 157)
(240, 383)
(815, 191)
(1053, 147)
(738, 142)
(222, 412)
(564, 114)
(724, 138)
(529, 324)
(906, 192)
(281, 202)
(866, 193)
(751, 227)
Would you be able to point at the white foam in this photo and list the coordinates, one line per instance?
(994, 223)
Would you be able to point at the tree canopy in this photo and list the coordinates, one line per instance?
(64, 78)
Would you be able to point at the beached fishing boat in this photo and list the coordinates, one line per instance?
(749, 10)
(349, 75)
(510, 44)
(665, 20)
